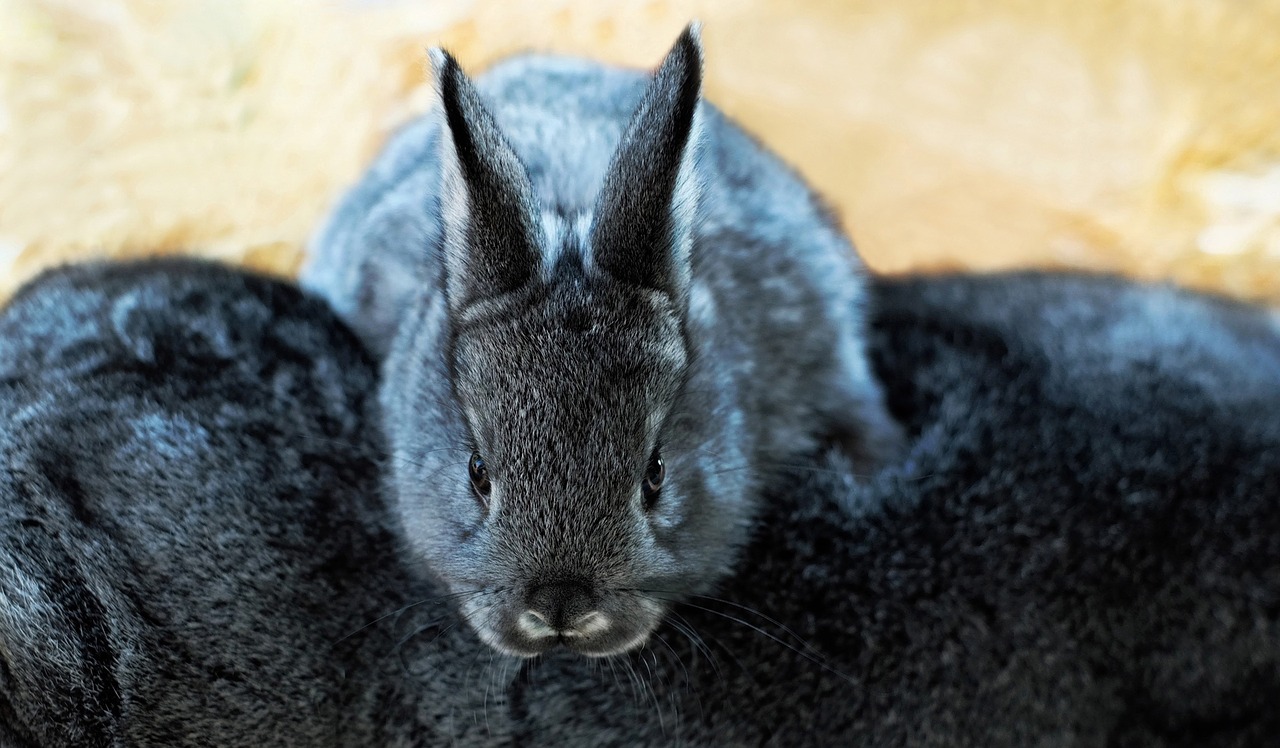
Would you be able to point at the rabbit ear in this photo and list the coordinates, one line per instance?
(642, 231)
(488, 207)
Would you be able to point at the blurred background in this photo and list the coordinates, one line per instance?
(1141, 136)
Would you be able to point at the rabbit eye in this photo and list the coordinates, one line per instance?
(653, 479)
(480, 478)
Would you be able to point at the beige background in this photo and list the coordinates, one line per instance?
(1141, 136)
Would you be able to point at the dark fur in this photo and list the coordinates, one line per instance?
(191, 533)
(1081, 549)
(573, 268)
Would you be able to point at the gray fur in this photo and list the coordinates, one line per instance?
(193, 548)
(570, 269)
(1082, 547)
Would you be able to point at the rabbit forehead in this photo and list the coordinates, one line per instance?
(576, 336)
(559, 386)
(569, 375)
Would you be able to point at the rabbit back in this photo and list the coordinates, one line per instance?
(195, 546)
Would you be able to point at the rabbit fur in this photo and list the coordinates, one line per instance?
(1081, 546)
(193, 546)
(581, 277)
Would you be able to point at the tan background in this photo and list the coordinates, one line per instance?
(1142, 136)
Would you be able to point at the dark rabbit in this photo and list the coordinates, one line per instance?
(1082, 547)
(193, 551)
(608, 315)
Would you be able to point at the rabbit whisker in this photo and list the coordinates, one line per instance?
(815, 659)
(675, 655)
(768, 619)
(812, 654)
(427, 601)
(683, 597)
(685, 627)
(653, 675)
(399, 653)
(399, 647)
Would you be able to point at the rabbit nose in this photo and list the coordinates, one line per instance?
(561, 609)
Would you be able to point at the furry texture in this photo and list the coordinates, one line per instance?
(1081, 549)
(583, 276)
(193, 550)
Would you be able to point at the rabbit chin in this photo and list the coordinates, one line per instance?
(612, 634)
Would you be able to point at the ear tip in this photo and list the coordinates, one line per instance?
(442, 63)
(690, 42)
(693, 33)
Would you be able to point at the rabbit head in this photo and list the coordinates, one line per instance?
(562, 350)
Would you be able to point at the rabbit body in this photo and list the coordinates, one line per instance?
(193, 546)
(582, 278)
(1082, 547)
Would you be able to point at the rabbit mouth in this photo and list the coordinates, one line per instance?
(612, 626)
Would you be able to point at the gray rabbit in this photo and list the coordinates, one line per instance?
(608, 315)
(1081, 548)
(193, 548)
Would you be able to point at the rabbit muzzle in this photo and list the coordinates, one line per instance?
(572, 614)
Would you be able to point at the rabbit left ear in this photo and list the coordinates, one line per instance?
(489, 211)
(642, 231)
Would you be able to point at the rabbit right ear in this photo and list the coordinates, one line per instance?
(489, 211)
(643, 224)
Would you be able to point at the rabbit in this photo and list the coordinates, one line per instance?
(607, 316)
(194, 548)
(1080, 547)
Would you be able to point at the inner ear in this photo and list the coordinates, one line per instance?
(642, 229)
(488, 205)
